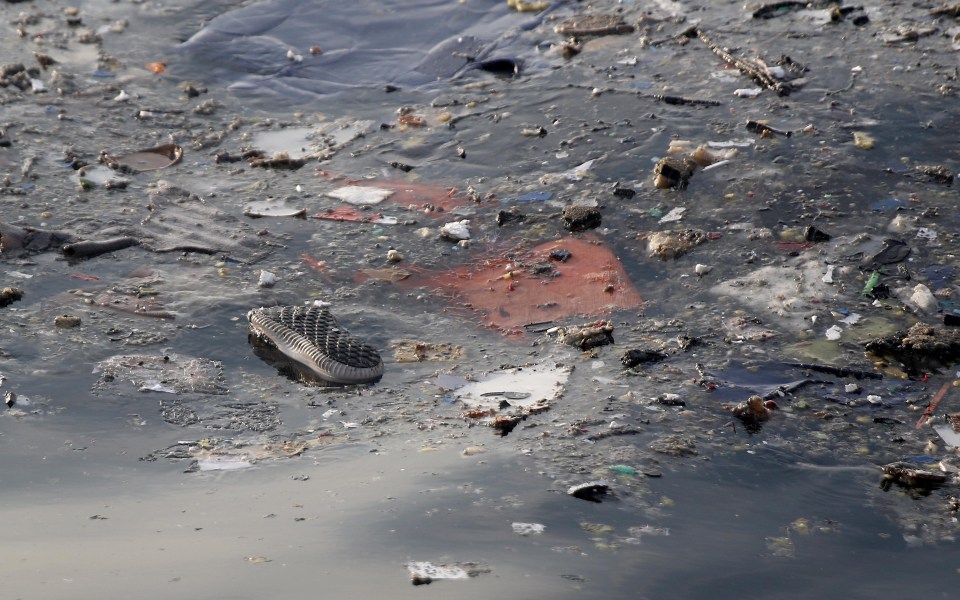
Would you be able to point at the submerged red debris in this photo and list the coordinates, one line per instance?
(525, 287)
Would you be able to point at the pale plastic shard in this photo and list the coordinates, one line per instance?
(834, 333)
(951, 437)
(428, 571)
(702, 270)
(744, 143)
(926, 233)
(924, 299)
(543, 382)
(360, 195)
(748, 92)
(851, 319)
(156, 386)
(223, 463)
(456, 230)
(828, 277)
(528, 528)
(267, 279)
(580, 171)
(674, 215)
(899, 224)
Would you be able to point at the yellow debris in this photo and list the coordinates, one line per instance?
(863, 141)
(522, 6)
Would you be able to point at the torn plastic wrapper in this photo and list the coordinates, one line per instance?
(401, 192)
(150, 159)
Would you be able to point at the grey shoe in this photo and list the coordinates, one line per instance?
(312, 338)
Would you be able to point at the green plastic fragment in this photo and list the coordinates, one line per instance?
(623, 469)
(656, 212)
(871, 283)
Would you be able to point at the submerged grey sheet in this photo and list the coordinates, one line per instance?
(364, 43)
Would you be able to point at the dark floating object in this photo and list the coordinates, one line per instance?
(9, 295)
(632, 358)
(560, 254)
(776, 9)
(762, 129)
(904, 474)
(150, 159)
(314, 340)
(581, 218)
(812, 234)
(591, 491)
(503, 67)
(91, 248)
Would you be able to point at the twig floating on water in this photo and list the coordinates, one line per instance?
(749, 68)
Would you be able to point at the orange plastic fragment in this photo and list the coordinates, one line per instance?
(317, 265)
(348, 213)
(508, 295)
(933, 404)
(411, 120)
(157, 67)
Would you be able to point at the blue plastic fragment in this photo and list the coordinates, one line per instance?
(939, 276)
(535, 197)
(104, 74)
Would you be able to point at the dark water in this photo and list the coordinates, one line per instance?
(792, 509)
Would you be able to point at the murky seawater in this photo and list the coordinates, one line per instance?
(117, 482)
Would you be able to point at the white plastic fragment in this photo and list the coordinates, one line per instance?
(851, 319)
(580, 171)
(874, 399)
(122, 96)
(156, 386)
(748, 92)
(223, 463)
(924, 299)
(267, 279)
(951, 437)
(360, 195)
(777, 72)
(674, 215)
(702, 270)
(528, 528)
(926, 233)
(719, 163)
(744, 143)
(531, 385)
(37, 86)
(456, 230)
(426, 571)
(834, 333)
(828, 277)
(851, 388)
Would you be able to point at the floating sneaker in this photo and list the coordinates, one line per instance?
(312, 338)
